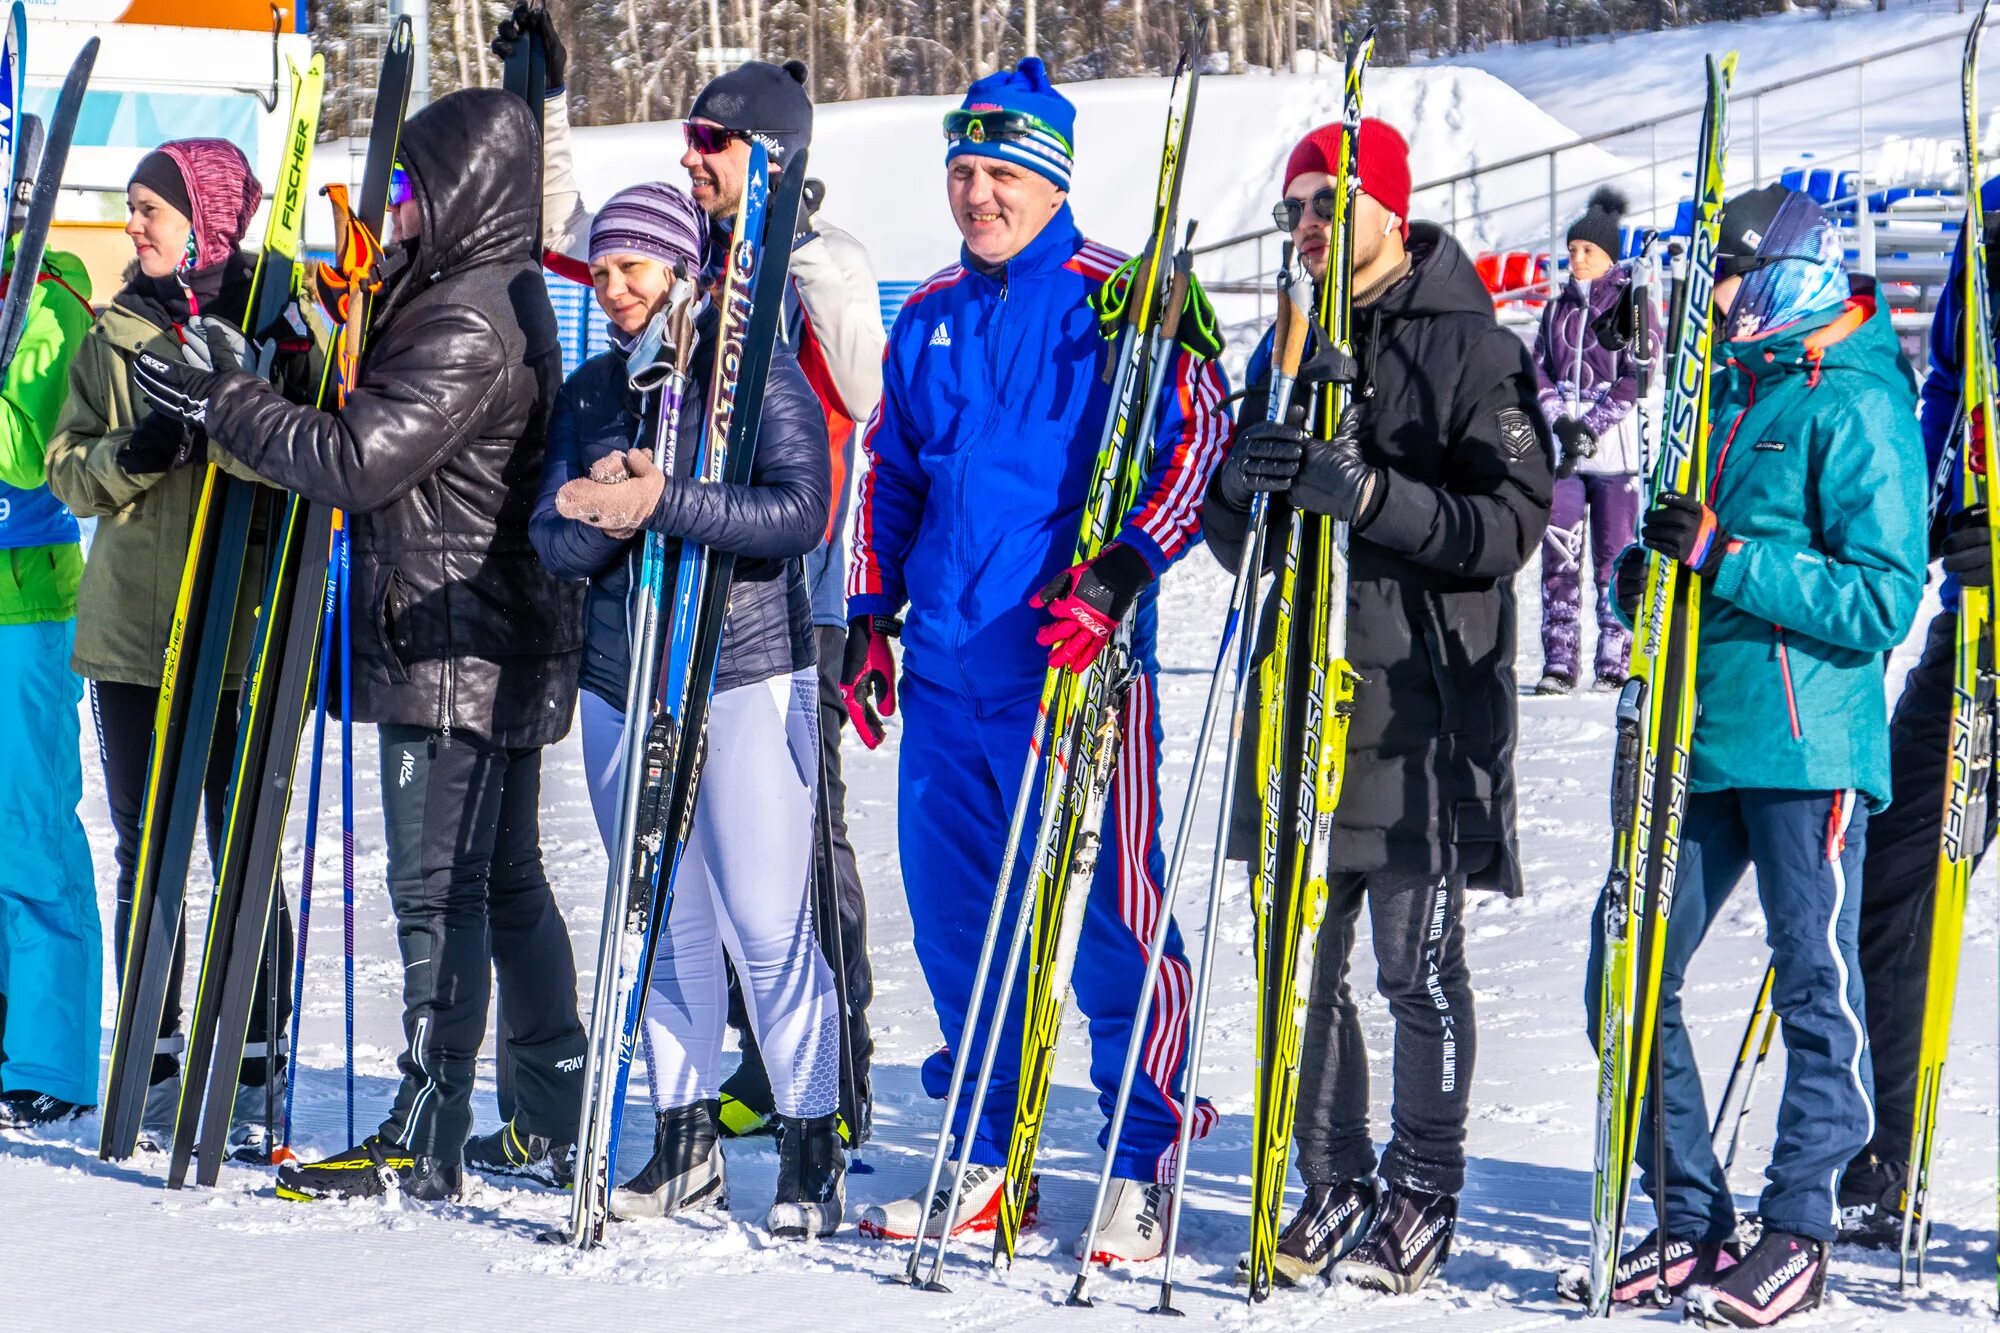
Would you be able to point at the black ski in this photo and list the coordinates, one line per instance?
(278, 697)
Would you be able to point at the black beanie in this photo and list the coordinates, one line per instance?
(1746, 218)
(1600, 221)
(766, 101)
(162, 175)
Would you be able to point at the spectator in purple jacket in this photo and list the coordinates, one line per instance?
(1588, 390)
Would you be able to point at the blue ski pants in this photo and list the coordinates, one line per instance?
(51, 944)
(1807, 849)
(960, 771)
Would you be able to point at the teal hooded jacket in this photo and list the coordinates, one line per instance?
(1816, 473)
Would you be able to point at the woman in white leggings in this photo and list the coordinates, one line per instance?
(743, 893)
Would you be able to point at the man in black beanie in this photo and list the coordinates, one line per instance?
(833, 324)
(833, 321)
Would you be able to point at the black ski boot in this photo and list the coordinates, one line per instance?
(686, 1170)
(1329, 1223)
(1409, 1240)
(1633, 1280)
(746, 1106)
(812, 1173)
(509, 1152)
(37, 1110)
(370, 1169)
(1871, 1203)
(1785, 1275)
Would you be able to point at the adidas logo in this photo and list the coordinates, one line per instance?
(940, 336)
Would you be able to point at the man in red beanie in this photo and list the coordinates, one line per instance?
(1442, 470)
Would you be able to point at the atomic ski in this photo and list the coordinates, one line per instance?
(1307, 696)
(1088, 709)
(1969, 778)
(1655, 721)
(668, 772)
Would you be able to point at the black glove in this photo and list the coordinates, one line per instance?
(1578, 443)
(1966, 555)
(534, 19)
(1629, 582)
(160, 443)
(1685, 530)
(1327, 365)
(177, 389)
(1334, 480)
(1264, 458)
(1617, 326)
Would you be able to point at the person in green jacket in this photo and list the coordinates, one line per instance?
(1810, 553)
(51, 948)
(138, 473)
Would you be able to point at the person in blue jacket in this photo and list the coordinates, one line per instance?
(979, 460)
(1809, 555)
(1899, 878)
(743, 893)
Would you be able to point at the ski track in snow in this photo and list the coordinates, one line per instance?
(230, 1251)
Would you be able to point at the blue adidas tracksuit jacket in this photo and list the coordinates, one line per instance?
(979, 458)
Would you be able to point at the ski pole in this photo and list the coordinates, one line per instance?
(1738, 1076)
(342, 554)
(1059, 757)
(826, 884)
(330, 604)
(976, 1003)
(1246, 654)
(1157, 946)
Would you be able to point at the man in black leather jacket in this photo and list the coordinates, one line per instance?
(465, 648)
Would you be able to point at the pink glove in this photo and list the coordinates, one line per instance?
(1087, 601)
(868, 675)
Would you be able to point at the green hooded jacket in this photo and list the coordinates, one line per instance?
(38, 583)
(1817, 477)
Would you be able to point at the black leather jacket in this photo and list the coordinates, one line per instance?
(780, 516)
(438, 451)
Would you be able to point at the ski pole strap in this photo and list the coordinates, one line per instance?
(1198, 332)
(348, 283)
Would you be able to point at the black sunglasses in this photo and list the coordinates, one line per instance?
(1742, 266)
(1287, 212)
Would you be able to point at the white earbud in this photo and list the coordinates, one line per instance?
(1391, 224)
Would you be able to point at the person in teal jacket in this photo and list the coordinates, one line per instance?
(1810, 553)
(51, 984)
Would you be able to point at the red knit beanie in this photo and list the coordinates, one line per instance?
(222, 192)
(1381, 157)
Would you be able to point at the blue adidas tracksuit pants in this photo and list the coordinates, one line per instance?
(1806, 848)
(960, 770)
(51, 946)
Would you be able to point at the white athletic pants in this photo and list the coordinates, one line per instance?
(745, 886)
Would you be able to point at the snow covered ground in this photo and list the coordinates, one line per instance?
(90, 1244)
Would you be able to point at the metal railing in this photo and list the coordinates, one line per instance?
(1654, 163)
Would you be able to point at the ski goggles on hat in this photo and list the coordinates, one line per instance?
(401, 191)
(1287, 212)
(998, 126)
(710, 139)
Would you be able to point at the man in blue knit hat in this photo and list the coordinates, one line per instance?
(979, 459)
